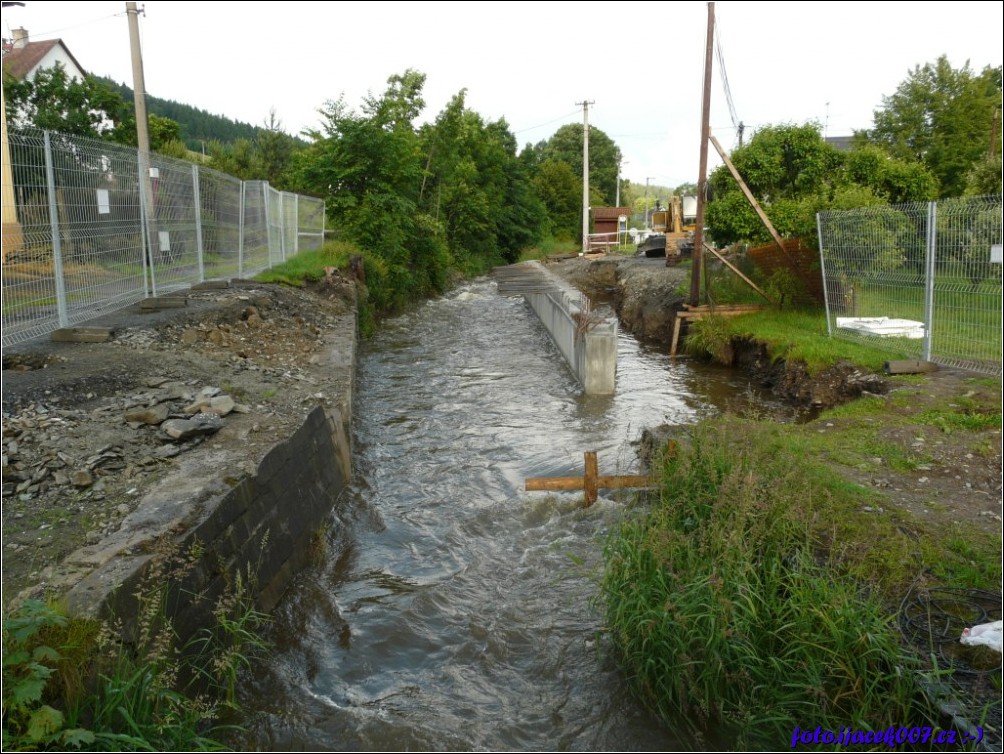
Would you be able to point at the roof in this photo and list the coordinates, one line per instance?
(610, 213)
(21, 61)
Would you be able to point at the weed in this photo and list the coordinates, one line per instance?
(711, 337)
(71, 683)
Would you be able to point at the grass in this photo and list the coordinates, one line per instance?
(791, 335)
(549, 246)
(752, 598)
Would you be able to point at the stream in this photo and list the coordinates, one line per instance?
(453, 610)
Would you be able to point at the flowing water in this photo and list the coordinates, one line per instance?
(454, 610)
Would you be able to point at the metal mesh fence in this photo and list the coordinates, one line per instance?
(309, 223)
(220, 199)
(273, 220)
(255, 254)
(921, 280)
(84, 233)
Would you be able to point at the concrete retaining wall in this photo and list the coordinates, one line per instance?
(588, 342)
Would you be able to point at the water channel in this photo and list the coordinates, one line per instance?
(453, 610)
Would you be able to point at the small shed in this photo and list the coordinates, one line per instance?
(605, 219)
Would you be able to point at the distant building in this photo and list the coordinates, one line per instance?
(22, 58)
(605, 219)
(840, 143)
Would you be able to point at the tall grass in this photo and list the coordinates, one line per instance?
(729, 616)
(73, 684)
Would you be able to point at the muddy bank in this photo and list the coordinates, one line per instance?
(646, 296)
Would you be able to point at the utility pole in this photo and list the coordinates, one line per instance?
(585, 173)
(143, 138)
(702, 181)
(647, 208)
(617, 192)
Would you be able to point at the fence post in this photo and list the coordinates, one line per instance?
(282, 224)
(240, 232)
(268, 221)
(296, 221)
(147, 241)
(932, 241)
(198, 222)
(822, 273)
(57, 242)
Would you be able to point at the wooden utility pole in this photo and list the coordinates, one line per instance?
(585, 173)
(702, 180)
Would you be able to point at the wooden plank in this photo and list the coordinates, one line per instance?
(211, 285)
(572, 483)
(736, 270)
(163, 302)
(677, 322)
(82, 335)
(910, 366)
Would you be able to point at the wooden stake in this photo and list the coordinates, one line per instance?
(591, 481)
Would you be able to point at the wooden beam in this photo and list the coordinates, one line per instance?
(736, 270)
(759, 211)
(592, 471)
(571, 483)
(591, 481)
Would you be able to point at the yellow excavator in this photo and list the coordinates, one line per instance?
(676, 224)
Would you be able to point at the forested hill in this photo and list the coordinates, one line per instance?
(197, 126)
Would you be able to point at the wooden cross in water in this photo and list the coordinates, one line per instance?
(591, 481)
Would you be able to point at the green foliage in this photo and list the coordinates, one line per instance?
(795, 174)
(566, 146)
(722, 615)
(561, 192)
(453, 194)
(53, 100)
(70, 683)
(711, 337)
(942, 117)
(198, 127)
(985, 176)
(267, 156)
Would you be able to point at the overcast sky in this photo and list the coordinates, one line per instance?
(641, 63)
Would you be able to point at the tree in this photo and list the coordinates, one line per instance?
(604, 155)
(794, 174)
(941, 117)
(54, 101)
(561, 192)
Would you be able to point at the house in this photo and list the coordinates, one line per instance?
(607, 219)
(23, 58)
